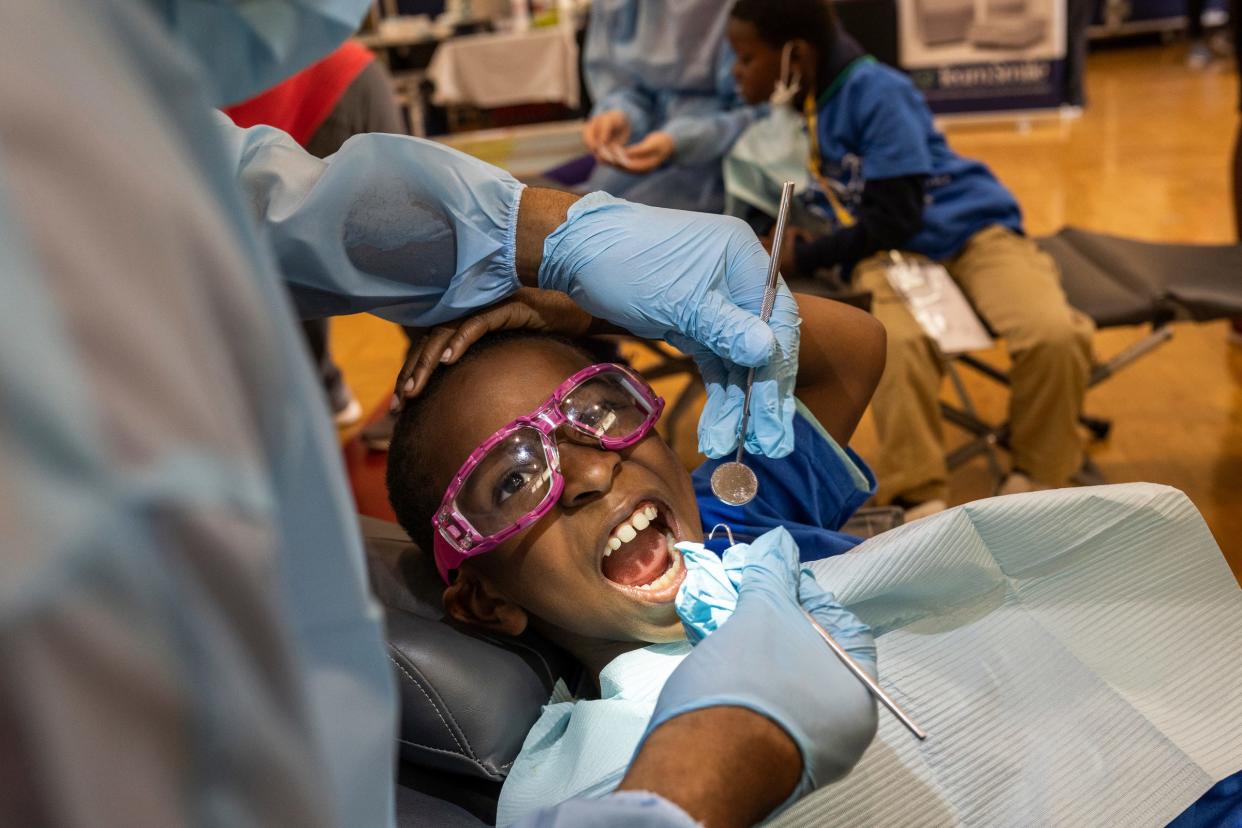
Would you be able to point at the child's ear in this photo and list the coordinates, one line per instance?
(473, 601)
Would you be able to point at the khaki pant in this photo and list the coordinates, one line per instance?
(1016, 288)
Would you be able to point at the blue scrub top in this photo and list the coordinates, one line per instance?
(873, 123)
(811, 492)
(1220, 807)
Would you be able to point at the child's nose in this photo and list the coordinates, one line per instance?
(588, 472)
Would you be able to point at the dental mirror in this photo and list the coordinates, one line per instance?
(733, 482)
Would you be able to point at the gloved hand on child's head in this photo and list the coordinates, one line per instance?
(764, 656)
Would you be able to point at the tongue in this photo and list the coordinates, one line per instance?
(640, 561)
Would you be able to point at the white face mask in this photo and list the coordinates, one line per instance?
(790, 80)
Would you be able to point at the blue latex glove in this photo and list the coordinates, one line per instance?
(708, 595)
(696, 281)
(768, 658)
(708, 598)
(845, 627)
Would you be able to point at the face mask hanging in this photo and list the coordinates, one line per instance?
(771, 151)
(790, 79)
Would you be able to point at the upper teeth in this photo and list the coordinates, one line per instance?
(629, 528)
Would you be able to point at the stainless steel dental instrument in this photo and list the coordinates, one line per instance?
(848, 660)
(733, 482)
(861, 675)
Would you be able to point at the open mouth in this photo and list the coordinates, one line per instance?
(640, 557)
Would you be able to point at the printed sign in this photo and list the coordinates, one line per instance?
(984, 55)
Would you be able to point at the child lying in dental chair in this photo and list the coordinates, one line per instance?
(1072, 654)
(584, 555)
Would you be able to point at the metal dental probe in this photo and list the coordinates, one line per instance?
(861, 674)
(848, 661)
(733, 482)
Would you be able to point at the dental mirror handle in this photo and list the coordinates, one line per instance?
(769, 299)
(778, 238)
(741, 434)
(865, 678)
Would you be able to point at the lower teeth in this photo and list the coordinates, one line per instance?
(671, 572)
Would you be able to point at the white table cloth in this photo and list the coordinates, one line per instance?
(506, 69)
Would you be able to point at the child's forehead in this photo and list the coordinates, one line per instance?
(524, 373)
(743, 30)
(499, 386)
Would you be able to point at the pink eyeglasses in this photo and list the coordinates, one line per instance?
(514, 477)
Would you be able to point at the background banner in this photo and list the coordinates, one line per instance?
(984, 55)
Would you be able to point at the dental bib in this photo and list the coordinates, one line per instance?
(583, 748)
(1073, 655)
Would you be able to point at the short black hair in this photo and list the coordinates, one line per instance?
(411, 484)
(780, 21)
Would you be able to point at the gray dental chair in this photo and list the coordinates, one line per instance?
(467, 700)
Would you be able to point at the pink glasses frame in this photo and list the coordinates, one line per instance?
(456, 539)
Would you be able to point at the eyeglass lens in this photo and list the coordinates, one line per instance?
(514, 477)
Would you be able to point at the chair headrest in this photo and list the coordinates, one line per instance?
(467, 699)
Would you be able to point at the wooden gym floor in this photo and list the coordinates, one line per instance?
(1149, 159)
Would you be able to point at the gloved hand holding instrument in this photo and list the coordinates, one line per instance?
(709, 596)
(696, 281)
(767, 659)
(692, 279)
(734, 482)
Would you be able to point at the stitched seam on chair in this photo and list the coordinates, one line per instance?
(512, 642)
(479, 765)
(434, 707)
(465, 740)
(448, 752)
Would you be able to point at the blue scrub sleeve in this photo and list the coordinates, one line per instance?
(404, 228)
(250, 47)
(625, 809)
(610, 86)
(893, 122)
(811, 493)
(706, 138)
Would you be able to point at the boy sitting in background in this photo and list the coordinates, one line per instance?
(887, 179)
(578, 508)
